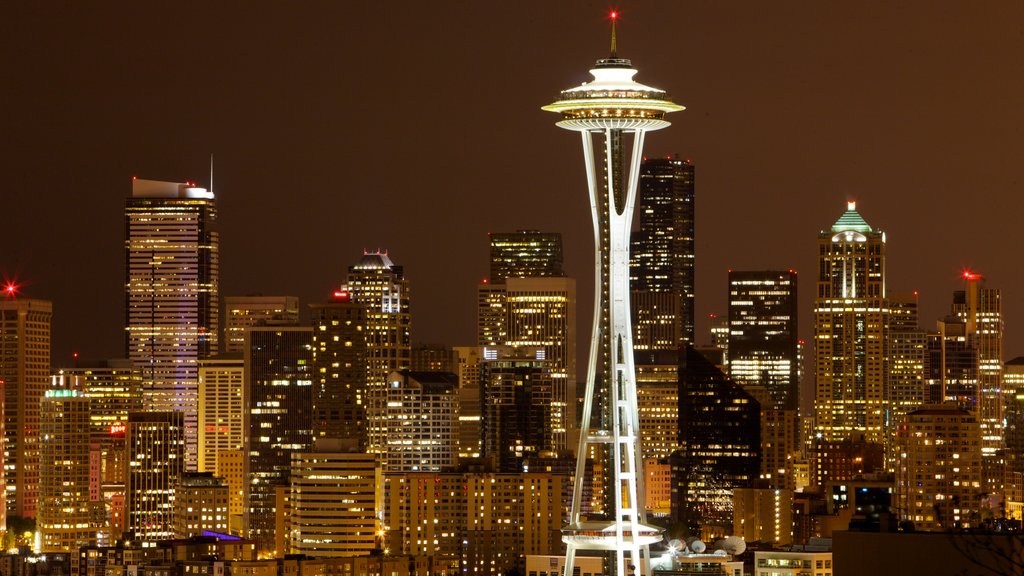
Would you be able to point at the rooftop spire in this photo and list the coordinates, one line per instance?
(614, 15)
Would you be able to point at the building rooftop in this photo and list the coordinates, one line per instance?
(851, 220)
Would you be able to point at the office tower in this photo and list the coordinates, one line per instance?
(231, 469)
(114, 389)
(334, 500)
(1013, 411)
(657, 392)
(542, 312)
(764, 515)
(951, 364)
(241, 312)
(66, 517)
(525, 254)
(467, 367)
(278, 418)
(611, 107)
(25, 370)
(221, 405)
(762, 348)
(907, 345)
(661, 267)
(156, 448)
(720, 439)
(938, 474)
(172, 271)
(200, 505)
(432, 358)
(517, 389)
(981, 310)
(849, 330)
(339, 369)
(421, 422)
(377, 283)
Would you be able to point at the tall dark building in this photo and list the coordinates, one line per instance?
(339, 369)
(662, 255)
(763, 334)
(525, 254)
(720, 439)
(278, 418)
(156, 453)
(516, 388)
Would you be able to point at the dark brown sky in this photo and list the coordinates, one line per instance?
(339, 126)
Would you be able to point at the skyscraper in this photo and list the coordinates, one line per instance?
(662, 255)
(339, 369)
(278, 418)
(221, 407)
(849, 330)
(720, 439)
(156, 448)
(66, 519)
(517, 388)
(763, 334)
(25, 370)
(525, 254)
(421, 418)
(381, 286)
(172, 271)
(241, 312)
(611, 107)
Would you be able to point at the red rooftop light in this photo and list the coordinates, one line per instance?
(614, 15)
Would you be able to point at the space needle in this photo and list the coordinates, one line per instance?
(608, 110)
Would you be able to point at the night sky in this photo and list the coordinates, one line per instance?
(416, 127)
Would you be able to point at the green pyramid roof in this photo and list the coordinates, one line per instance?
(851, 220)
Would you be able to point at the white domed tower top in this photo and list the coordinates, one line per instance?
(613, 99)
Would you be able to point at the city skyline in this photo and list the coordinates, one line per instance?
(842, 119)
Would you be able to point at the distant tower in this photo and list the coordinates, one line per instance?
(381, 286)
(610, 107)
(421, 422)
(278, 419)
(516, 386)
(156, 448)
(763, 333)
(525, 254)
(662, 255)
(25, 370)
(849, 330)
(66, 519)
(339, 369)
(221, 407)
(172, 271)
(241, 312)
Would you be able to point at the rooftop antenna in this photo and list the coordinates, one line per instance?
(614, 15)
(211, 172)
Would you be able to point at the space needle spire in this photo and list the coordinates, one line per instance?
(607, 112)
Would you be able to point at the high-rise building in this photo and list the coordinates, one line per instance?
(907, 351)
(612, 107)
(432, 358)
(657, 392)
(981, 310)
(1013, 411)
(339, 369)
(525, 254)
(421, 422)
(200, 505)
(114, 389)
(231, 469)
(542, 312)
(938, 474)
(241, 312)
(662, 255)
(334, 500)
(762, 345)
(221, 405)
(517, 387)
(25, 370)
(172, 270)
(467, 367)
(720, 439)
(66, 518)
(156, 448)
(278, 419)
(849, 330)
(381, 286)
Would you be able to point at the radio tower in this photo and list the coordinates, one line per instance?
(608, 108)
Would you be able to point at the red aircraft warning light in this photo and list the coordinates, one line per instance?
(970, 276)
